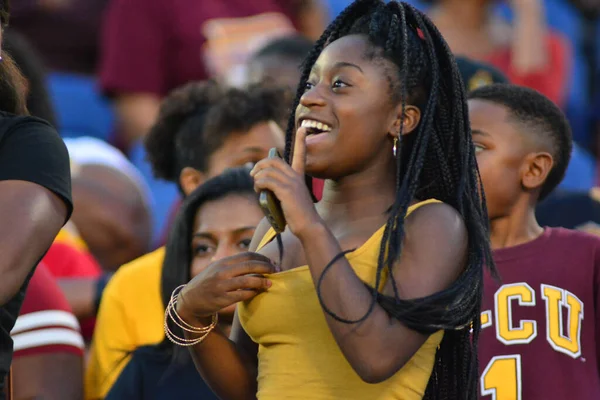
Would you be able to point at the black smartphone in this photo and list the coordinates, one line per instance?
(271, 205)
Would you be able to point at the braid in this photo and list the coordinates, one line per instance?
(437, 160)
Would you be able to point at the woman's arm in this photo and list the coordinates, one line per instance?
(228, 366)
(35, 192)
(379, 346)
(33, 215)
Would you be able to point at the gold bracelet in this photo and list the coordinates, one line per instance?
(179, 321)
(171, 313)
(183, 341)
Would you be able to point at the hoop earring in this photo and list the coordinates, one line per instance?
(395, 146)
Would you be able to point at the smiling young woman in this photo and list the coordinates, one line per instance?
(381, 116)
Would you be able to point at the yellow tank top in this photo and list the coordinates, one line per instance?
(298, 357)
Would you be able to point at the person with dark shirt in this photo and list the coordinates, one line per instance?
(217, 220)
(35, 196)
(536, 340)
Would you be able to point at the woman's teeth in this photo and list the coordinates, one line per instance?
(309, 123)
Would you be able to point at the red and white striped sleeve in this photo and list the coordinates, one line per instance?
(46, 323)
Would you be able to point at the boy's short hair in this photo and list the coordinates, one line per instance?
(540, 116)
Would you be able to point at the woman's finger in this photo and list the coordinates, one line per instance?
(273, 183)
(299, 157)
(260, 267)
(276, 173)
(272, 163)
(241, 295)
(246, 282)
(243, 257)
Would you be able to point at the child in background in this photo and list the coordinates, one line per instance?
(536, 342)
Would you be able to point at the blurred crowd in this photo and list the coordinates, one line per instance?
(155, 99)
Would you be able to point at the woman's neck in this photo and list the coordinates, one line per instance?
(519, 227)
(358, 197)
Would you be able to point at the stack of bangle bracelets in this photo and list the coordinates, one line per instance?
(171, 313)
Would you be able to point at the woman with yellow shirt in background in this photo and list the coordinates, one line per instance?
(381, 115)
(203, 129)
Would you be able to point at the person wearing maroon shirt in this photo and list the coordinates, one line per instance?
(48, 358)
(540, 335)
(150, 47)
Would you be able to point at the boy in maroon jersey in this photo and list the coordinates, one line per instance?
(541, 323)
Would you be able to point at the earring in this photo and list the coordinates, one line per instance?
(395, 146)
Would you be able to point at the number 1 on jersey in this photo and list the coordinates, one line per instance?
(501, 378)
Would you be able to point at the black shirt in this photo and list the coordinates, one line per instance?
(154, 374)
(30, 150)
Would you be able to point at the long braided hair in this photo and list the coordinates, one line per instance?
(437, 160)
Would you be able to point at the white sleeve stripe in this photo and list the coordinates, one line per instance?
(42, 319)
(47, 337)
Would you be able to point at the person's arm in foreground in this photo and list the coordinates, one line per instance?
(34, 215)
(228, 366)
(32, 158)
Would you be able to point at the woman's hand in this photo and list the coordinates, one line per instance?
(224, 283)
(289, 186)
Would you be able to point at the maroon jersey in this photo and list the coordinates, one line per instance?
(541, 323)
(46, 323)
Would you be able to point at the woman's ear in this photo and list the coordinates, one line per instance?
(406, 122)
